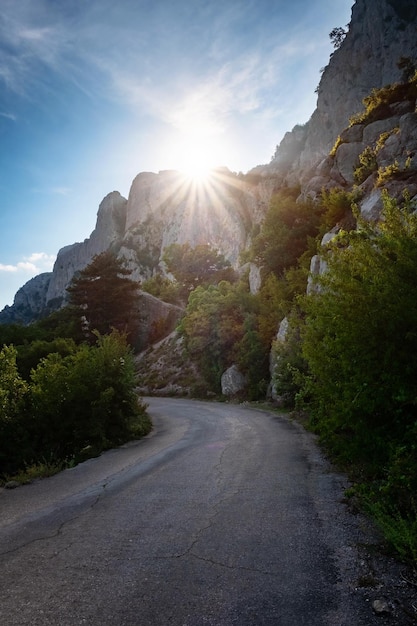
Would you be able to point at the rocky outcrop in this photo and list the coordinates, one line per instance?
(29, 301)
(158, 319)
(161, 209)
(165, 208)
(233, 382)
(109, 230)
(379, 34)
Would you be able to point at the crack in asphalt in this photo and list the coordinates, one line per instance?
(57, 532)
(189, 551)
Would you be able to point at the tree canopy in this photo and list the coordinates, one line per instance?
(105, 296)
(193, 267)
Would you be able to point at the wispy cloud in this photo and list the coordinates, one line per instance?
(57, 190)
(35, 263)
(8, 116)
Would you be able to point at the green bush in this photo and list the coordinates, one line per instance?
(377, 104)
(14, 440)
(359, 340)
(367, 165)
(85, 400)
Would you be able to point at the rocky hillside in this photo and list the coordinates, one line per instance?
(376, 149)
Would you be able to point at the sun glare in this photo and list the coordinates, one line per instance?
(195, 159)
(196, 144)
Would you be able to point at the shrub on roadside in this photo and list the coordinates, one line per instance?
(84, 400)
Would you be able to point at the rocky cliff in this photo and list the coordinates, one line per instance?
(328, 151)
(380, 33)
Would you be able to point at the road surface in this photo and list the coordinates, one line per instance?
(224, 515)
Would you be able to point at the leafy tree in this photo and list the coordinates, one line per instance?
(106, 297)
(30, 354)
(163, 288)
(199, 266)
(337, 36)
(360, 339)
(337, 206)
(273, 303)
(220, 327)
(285, 233)
(13, 395)
(85, 400)
(253, 358)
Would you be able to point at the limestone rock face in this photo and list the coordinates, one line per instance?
(165, 208)
(380, 33)
(110, 225)
(29, 301)
(158, 319)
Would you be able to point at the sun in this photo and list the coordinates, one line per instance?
(195, 146)
(195, 159)
(196, 168)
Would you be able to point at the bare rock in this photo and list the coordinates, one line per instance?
(381, 607)
(232, 381)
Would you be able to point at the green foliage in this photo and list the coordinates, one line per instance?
(359, 340)
(253, 359)
(42, 469)
(394, 170)
(219, 329)
(84, 400)
(30, 354)
(13, 401)
(367, 165)
(289, 366)
(285, 233)
(377, 104)
(12, 387)
(399, 531)
(368, 161)
(164, 289)
(337, 36)
(364, 314)
(105, 297)
(336, 144)
(273, 302)
(194, 267)
(337, 208)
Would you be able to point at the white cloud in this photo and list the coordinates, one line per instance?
(35, 263)
(8, 116)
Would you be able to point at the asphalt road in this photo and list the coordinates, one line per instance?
(223, 516)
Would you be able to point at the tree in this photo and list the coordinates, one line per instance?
(199, 266)
(220, 328)
(14, 440)
(337, 36)
(285, 233)
(85, 399)
(360, 339)
(105, 297)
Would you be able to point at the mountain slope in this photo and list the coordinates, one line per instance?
(164, 208)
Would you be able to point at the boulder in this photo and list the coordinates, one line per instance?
(232, 381)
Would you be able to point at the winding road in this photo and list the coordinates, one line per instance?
(224, 515)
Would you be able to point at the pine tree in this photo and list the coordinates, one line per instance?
(106, 297)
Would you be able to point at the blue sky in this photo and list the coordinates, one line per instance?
(92, 92)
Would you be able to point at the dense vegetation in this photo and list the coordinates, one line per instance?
(348, 362)
(67, 383)
(224, 323)
(72, 407)
(353, 365)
